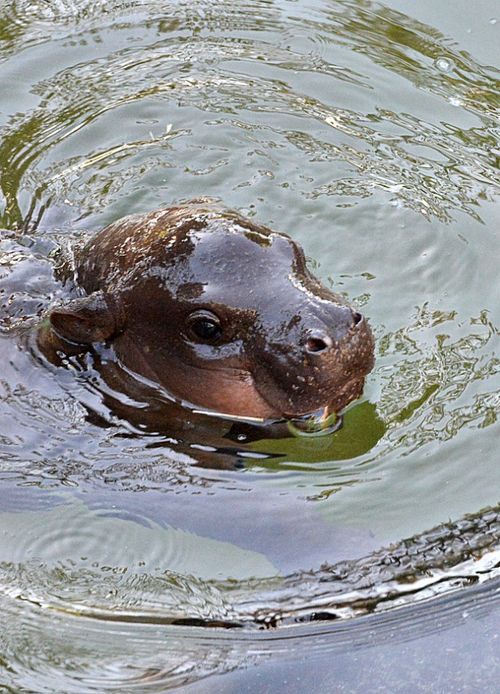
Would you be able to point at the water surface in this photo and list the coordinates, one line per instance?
(368, 132)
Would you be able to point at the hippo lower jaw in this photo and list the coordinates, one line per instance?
(230, 392)
(239, 394)
(333, 403)
(260, 410)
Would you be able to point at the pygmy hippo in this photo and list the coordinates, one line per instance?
(219, 312)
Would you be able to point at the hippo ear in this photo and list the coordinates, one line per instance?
(93, 318)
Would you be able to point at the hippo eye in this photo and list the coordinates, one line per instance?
(204, 326)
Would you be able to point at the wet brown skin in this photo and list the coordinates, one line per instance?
(219, 311)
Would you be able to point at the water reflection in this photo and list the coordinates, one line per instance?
(77, 605)
(73, 153)
(433, 382)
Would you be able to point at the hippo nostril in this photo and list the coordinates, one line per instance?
(316, 344)
(357, 318)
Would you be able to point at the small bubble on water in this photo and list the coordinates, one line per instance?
(444, 64)
(493, 20)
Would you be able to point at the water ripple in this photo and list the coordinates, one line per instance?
(434, 167)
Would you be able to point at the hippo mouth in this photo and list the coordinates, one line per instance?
(259, 407)
(255, 394)
(257, 397)
(259, 392)
(320, 404)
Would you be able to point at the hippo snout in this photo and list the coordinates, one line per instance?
(321, 339)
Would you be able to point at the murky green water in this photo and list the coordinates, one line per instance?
(367, 131)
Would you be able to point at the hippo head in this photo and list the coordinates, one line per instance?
(220, 312)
